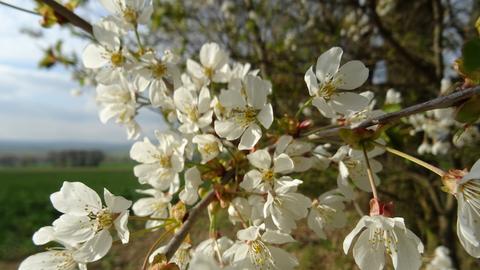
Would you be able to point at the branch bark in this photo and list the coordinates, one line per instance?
(69, 15)
(436, 103)
(193, 214)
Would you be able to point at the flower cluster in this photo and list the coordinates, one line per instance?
(221, 141)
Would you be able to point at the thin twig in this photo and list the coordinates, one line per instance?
(70, 16)
(370, 174)
(20, 8)
(436, 103)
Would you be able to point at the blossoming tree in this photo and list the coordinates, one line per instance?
(227, 151)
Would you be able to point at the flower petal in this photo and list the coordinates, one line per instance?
(328, 63)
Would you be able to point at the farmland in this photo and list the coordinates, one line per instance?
(25, 204)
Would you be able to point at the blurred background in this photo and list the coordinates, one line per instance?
(50, 131)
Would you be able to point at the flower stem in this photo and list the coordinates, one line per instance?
(306, 104)
(413, 159)
(370, 174)
(139, 41)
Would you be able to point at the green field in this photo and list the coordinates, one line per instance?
(25, 205)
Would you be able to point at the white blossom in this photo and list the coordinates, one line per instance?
(213, 65)
(108, 56)
(162, 163)
(441, 261)
(119, 101)
(155, 206)
(327, 212)
(329, 76)
(86, 219)
(466, 189)
(189, 195)
(254, 250)
(246, 102)
(193, 111)
(297, 150)
(263, 178)
(208, 145)
(285, 206)
(129, 13)
(378, 236)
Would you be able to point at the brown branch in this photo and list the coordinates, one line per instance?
(193, 214)
(69, 16)
(436, 103)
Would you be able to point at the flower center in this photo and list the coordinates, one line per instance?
(66, 261)
(260, 255)
(387, 238)
(268, 175)
(165, 161)
(326, 212)
(245, 117)
(104, 219)
(192, 113)
(159, 70)
(211, 148)
(130, 15)
(208, 71)
(117, 59)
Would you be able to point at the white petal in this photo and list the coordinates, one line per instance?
(473, 174)
(283, 164)
(228, 129)
(76, 198)
(347, 102)
(249, 234)
(93, 56)
(251, 180)
(277, 237)
(311, 81)
(257, 91)
(407, 256)
(282, 259)
(324, 108)
(367, 257)
(94, 249)
(250, 137)
(144, 151)
(49, 260)
(328, 63)
(349, 238)
(116, 204)
(73, 229)
(265, 116)
(352, 75)
(121, 226)
(260, 159)
(43, 235)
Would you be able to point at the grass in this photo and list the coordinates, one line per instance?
(25, 205)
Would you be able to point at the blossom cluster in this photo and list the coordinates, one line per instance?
(221, 141)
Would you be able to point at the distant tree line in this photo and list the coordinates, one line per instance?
(64, 158)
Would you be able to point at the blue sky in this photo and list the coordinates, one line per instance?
(36, 105)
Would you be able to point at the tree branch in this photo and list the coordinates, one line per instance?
(69, 15)
(436, 103)
(193, 214)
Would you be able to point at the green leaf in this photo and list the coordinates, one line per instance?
(471, 55)
(469, 112)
